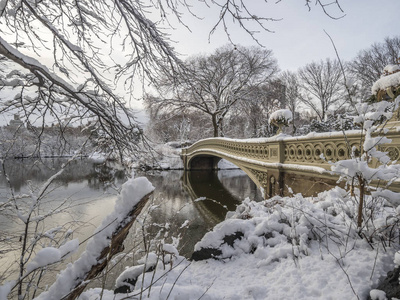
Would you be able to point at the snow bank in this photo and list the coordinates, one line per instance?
(132, 192)
(377, 295)
(290, 248)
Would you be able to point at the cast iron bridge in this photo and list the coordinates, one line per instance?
(271, 162)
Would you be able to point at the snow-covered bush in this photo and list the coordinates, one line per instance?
(338, 122)
(281, 118)
(367, 164)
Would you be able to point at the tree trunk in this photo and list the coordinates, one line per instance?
(361, 182)
(215, 125)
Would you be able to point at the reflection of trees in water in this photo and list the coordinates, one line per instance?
(37, 171)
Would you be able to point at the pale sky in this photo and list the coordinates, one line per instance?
(299, 37)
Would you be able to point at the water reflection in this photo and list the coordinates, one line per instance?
(173, 212)
(23, 173)
(193, 202)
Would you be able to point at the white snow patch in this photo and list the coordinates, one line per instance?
(5, 289)
(284, 115)
(50, 255)
(387, 81)
(377, 295)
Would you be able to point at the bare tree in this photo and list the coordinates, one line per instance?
(62, 59)
(322, 86)
(214, 84)
(258, 104)
(292, 93)
(367, 66)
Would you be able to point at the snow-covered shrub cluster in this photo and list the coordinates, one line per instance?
(282, 248)
(296, 224)
(367, 163)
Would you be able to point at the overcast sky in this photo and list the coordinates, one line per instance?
(299, 36)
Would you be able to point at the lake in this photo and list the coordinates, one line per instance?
(183, 207)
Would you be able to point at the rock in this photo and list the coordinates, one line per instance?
(125, 289)
(390, 285)
(206, 253)
(230, 239)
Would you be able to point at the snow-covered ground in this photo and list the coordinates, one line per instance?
(288, 248)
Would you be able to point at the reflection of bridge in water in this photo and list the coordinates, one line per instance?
(277, 163)
(216, 195)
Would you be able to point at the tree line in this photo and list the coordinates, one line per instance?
(232, 91)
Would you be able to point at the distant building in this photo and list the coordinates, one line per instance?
(16, 124)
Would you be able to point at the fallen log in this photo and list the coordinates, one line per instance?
(115, 246)
(107, 241)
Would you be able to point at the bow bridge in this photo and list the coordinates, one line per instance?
(281, 161)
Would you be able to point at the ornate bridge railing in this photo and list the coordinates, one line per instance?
(266, 160)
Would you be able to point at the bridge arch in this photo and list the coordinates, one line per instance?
(270, 181)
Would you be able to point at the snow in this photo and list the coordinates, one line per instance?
(200, 199)
(129, 273)
(50, 255)
(284, 115)
(131, 193)
(291, 248)
(5, 289)
(387, 81)
(377, 295)
(391, 69)
(97, 157)
(170, 249)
